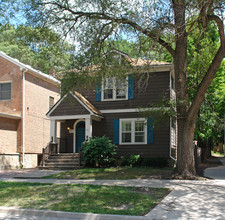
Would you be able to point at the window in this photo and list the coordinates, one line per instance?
(51, 102)
(133, 131)
(115, 89)
(5, 91)
(174, 130)
(172, 82)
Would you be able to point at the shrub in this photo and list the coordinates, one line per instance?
(131, 160)
(99, 152)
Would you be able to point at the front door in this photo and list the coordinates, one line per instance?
(80, 135)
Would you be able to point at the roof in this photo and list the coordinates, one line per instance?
(135, 62)
(82, 100)
(88, 104)
(140, 62)
(33, 71)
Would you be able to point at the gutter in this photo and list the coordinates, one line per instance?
(23, 117)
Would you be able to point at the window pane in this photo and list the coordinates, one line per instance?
(5, 91)
(126, 137)
(120, 88)
(108, 83)
(120, 94)
(6, 86)
(140, 137)
(139, 126)
(126, 126)
(108, 94)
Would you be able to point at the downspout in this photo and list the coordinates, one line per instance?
(171, 122)
(23, 123)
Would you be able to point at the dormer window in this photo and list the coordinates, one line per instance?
(5, 91)
(114, 89)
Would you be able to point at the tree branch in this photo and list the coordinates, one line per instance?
(211, 72)
(102, 16)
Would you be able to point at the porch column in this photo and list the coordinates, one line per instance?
(88, 128)
(53, 128)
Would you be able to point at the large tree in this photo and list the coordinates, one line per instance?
(166, 22)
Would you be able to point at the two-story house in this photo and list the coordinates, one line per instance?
(112, 108)
(26, 95)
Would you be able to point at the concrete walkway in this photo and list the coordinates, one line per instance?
(188, 199)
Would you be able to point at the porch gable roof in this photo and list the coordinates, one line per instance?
(79, 102)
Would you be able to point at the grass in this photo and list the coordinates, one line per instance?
(217, 153)
(81, 198)
(116, 173)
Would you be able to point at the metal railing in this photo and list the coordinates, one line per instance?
(48, 150)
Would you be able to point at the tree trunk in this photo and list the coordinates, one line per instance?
(185, 151)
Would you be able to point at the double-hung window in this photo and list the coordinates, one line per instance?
(133, 131)
(51, 102)
(5, 91)
(114, 89)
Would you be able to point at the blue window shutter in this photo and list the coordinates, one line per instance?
(99, 90)
(131, 86)
(150, 131)
(116, 131)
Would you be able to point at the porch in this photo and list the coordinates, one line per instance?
(72, 132)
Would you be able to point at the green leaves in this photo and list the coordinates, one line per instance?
(40, 48)
(99, 151)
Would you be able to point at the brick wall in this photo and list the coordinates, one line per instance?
(8, 136)
(9, 72)
(37, 126)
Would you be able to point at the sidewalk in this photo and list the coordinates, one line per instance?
(188, 200)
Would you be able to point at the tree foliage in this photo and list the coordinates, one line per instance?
(40, 48)
(168, 23)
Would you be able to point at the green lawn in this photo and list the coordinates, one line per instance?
(81, 198)
(116, 173)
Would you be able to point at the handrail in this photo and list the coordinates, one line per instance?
(48, 150)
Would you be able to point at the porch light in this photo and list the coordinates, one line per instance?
(68, 128)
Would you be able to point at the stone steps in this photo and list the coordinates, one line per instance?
(62, 161)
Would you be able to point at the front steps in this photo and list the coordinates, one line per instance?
(62, 161)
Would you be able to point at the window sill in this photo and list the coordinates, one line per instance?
(132, 143)
(113, 100)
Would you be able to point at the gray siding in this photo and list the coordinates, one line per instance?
(69, 106)
(157, 89)
(159, 148)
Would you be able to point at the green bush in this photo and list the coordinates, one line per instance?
(99, 152)
(131, 160)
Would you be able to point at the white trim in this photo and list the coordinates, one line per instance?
(67, 117)
(23, 118)
(133, 120)
(74, 96)
(33, 71)
(170, 141)
(53, 129)
(74, 134)
(114, 90)
(127, 110)
(6, 115)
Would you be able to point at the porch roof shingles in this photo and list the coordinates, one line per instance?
(73, 103)
(88, 104)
